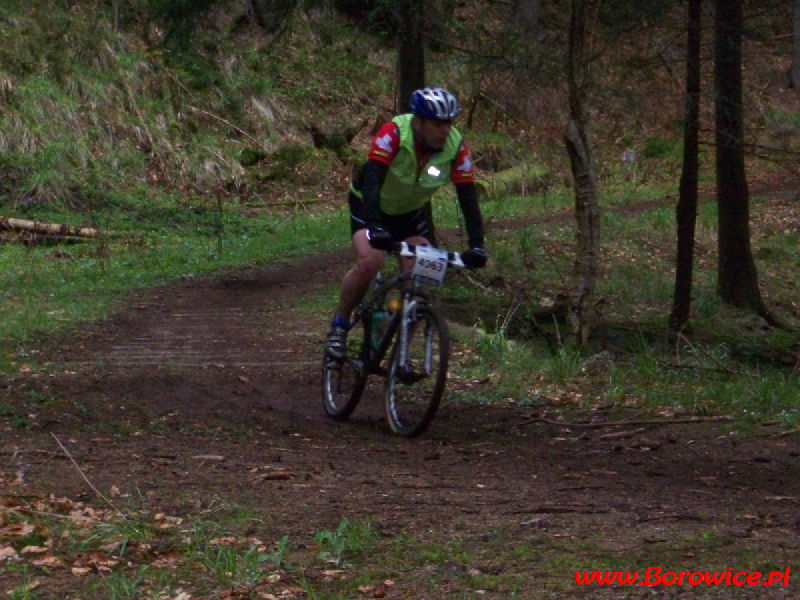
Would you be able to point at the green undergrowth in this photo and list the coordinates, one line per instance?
(127, 551)
(728, 361)
(53, 290)
(92, 116)
(511, 334)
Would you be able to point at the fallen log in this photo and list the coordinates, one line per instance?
(39, 228)
(27, 238)
(519, 180)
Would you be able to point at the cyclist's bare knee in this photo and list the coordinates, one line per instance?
(367, 264)
(418, 240)
(368, 259)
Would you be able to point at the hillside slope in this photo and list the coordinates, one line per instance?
(95, 118)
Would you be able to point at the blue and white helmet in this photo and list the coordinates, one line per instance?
(434, 103)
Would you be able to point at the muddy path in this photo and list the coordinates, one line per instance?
(207, 391)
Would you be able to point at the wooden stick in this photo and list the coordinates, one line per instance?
(229, 124)
(89, 483)
(630, 423)
(12, 224)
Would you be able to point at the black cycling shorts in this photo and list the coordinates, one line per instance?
(402, 227)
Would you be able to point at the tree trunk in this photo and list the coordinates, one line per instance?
(528, 12)
(411, 52)
(587, 213)
(794, 72)
(737, 282)
(115, 14)
(686, 211)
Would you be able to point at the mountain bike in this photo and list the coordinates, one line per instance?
(398, 334)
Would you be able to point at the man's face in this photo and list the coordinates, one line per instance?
(432, 133)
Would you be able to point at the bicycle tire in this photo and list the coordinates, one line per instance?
(413, 392)
(343, 381)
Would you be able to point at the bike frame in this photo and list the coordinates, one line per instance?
(413, 348)
(373, 356)
(413, 295)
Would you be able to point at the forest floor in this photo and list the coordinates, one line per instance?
(207, 393)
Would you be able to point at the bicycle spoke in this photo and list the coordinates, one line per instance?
(343, 380)
(415, 382)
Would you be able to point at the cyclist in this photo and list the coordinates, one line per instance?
(410, 158)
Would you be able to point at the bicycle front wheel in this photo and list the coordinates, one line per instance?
(343, 380)
(415, 382)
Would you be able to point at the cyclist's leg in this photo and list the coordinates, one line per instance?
(355, 282)
(410, 227)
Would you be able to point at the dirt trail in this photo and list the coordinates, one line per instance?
(193, 395)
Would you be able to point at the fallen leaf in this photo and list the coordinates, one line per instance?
(226, 540)
(47, 561)
(30, 586)
(18, 530)
(329, 574)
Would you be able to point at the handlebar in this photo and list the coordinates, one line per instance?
(407, 250)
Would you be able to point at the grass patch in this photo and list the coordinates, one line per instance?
(50, 291)
(348, 539)
(729, 362)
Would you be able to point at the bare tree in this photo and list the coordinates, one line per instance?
(115, 14)
(737, 282)
(794, 72)
(528, 13)
(686, 210)
(411, 50)
(587, 212)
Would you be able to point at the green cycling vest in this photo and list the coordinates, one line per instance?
(403, 190)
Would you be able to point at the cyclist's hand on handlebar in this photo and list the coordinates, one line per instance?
(474, 258)
(380, 239)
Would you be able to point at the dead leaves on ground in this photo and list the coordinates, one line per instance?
(55, 538)
(57, 535)
(28, 533)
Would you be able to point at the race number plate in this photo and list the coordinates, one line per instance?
(431, 265)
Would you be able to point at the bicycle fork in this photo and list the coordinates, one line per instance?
(409, 316)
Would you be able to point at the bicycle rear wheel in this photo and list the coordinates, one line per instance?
(414, 387)
(343, 380)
